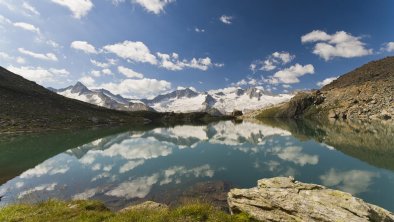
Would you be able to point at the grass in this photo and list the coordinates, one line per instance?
(271, 112)
(94, 211)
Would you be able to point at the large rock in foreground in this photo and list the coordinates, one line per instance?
(284, 199)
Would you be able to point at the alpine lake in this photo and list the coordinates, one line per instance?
(122, 166)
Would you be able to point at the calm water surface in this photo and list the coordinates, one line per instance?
(169, 164)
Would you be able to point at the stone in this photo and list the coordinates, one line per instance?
(147, 205)
(284, 199)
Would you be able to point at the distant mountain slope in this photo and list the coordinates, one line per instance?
(364, 93)
(26, 106)
(101, 97)
(215, 102)
(222, 101)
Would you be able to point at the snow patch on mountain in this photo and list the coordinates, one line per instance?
(183, 100)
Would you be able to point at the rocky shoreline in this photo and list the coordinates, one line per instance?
(285, 199)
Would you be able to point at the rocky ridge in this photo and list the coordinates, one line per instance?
(365, 93)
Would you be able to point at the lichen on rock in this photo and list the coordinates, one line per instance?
(284, 199)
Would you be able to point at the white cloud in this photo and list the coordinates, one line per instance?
(284, 57)
(95, 73)
(139, 187)
(100, 64)
(314, 36)
(5, 56)
(389, 47)
(340, 44)
(134, 51)
(138, 88)
(106, 72)
(153, 6)
(352, 181)
(199, 30)
(52, 43)
(226, 19)
(39, 74)
(88, 81)
(272, 61)
(30, 9)
(83, 46)
(4, 20)
(27, 26)
(8, 5)
(290, 75)
(79, 8)
(294, 154)
(47, 56)
(172, 62)
(326, 81)
(117, 2)
(130, 73)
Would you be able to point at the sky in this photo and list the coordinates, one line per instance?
(142, 48)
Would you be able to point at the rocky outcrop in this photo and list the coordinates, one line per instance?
(284, 199)
(365, 93)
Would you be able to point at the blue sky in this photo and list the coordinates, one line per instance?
(141, 48)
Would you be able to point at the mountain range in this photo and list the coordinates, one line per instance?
(100, 97)
(215, 102)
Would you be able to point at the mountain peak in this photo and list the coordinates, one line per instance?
(79, 88)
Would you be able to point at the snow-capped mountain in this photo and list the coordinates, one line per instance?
(223, 101)
(101, 97)
(215, 102)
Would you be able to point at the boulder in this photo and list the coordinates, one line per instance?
(284, 199)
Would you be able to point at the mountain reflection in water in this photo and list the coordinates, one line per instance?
(176, 163)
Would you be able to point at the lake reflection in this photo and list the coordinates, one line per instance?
(169, 164)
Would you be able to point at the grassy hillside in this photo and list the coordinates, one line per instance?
(27, 106)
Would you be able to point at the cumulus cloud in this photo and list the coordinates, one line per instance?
(83, 46)
(326, 81)
(153, 6)
(172, 62)
(388, 47)
(352, 181)
(139, 52)
(294, 154)
(107, 64)
(291, 75)
(39, 74)
(27, 26)
(47, 56)
(30, 9)
(130, 73)
(88, 81)
(339, 44)
(138, 88)
(272, 61)
(79, 8)
(134, 51)
(226, 19)
(6, 56)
